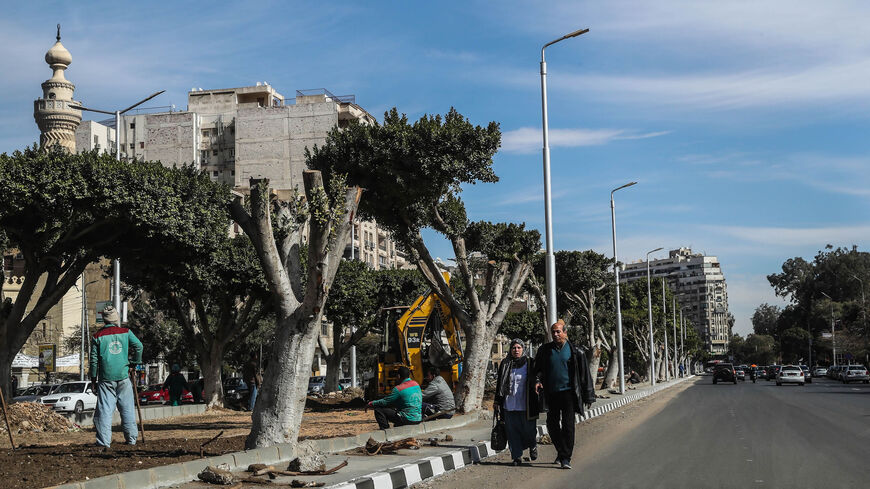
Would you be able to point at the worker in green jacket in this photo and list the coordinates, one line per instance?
(403, 406)
(111, 348)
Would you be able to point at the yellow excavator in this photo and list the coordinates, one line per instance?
(427, 334)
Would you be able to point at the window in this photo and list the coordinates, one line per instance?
(142, 145)
(214, 173)
(214, 152)
(96, 139)
(203, 155)
(132, 125)
(132, 145)
(232, 152)
(205, 133)
(233, 172)
(324, 329)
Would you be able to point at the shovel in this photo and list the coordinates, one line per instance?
(138, 409)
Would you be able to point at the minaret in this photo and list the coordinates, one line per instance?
(54, 115)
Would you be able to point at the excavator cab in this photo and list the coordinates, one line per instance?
(427, 334)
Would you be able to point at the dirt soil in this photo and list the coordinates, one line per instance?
(44, 459)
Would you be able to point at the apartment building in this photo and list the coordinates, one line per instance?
(699, 285)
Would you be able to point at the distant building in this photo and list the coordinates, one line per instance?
(700, 289)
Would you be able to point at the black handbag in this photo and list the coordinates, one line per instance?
(498, 438)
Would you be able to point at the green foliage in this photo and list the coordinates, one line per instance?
(502, 241)
(764, 319)
(525, 325)
(410, 168)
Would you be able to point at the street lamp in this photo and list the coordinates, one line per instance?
(548, 209)
(674, 313)
(833, 337)
(652, 353)
(616, 275)
(85, 329)
(665, 331)
(116, 281)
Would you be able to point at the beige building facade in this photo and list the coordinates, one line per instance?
(699, 285)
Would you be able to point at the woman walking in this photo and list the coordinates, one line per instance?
(515, 397)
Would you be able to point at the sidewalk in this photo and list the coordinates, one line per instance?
(470, 444)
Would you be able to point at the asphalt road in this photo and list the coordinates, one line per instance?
(712, 436)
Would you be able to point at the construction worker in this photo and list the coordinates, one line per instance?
(403, 406)
(109, 372)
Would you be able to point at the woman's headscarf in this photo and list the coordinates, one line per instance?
(517, 362)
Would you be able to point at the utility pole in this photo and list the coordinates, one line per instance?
(652, 353)
(674, 312)
(616, 278)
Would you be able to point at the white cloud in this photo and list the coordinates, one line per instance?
(791, 237)
(530, 139)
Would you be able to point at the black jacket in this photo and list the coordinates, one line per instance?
(584, 390)
(533, 404)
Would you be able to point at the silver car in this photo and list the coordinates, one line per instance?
(790, 374)
(820, 372)
(855, 373)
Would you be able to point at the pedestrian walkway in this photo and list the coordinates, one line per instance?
(469, 444)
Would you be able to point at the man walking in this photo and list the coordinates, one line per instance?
(176, 385)
(110, 350)
(564, 378)
(252, 377)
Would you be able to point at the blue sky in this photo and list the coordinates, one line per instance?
(744, 122)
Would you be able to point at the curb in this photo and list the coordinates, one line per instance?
(87, 419)
(167, 475)
(408, 474)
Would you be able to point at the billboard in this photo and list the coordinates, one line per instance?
(47, 358)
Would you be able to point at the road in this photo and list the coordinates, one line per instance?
(702, 435)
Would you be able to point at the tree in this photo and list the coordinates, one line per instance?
(298, 295)
(216, 297)
(764, 319)
(525, 325)
(62, 211)
(635, 320)
(415, 173)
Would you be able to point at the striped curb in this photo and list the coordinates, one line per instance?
(408, 474)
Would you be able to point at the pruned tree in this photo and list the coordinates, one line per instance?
(299, 286)
(416, 172)
(62, 211)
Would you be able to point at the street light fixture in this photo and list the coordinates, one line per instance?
(548, 209)
(833, 336)
(616, 275)
(652, 353)
(116, 280)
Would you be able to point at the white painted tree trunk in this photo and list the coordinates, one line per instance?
(478, 352)
(212, 361)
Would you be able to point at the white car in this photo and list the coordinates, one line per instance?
(855, 373)
(820, 372)
(72, 396)
(790, 374)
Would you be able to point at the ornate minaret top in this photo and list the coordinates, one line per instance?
(54, 112)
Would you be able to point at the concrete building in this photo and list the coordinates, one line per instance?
(699, 285)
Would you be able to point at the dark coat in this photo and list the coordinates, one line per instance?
(584, 389)
(533, 403)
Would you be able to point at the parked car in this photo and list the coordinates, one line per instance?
(35, 393)
(153, 394)
(790, 374)
(236, 392)
(808, 377)
(316, 385)
(724, 372)
(72, 396)
(741, 374)
(855, 373)
(344, 383)
(820, 372)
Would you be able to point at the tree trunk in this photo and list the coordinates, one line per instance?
(333, 371)
(281, 400)
(660, 364)
(6, 372)
(612, 373)
(211, 375)
(594, 359)
(478, 352)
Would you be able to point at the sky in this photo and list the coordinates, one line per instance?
(743, 122)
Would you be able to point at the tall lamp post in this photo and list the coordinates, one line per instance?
(116, 280)
(548, 209)
(674, 313)
(652, 352)
(616, 276)
(682, 342)
(833, 337)
(665, 331)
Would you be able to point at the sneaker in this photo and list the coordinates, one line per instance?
(558, 461)
(566, 464)
(516, 462)
(533, 453)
